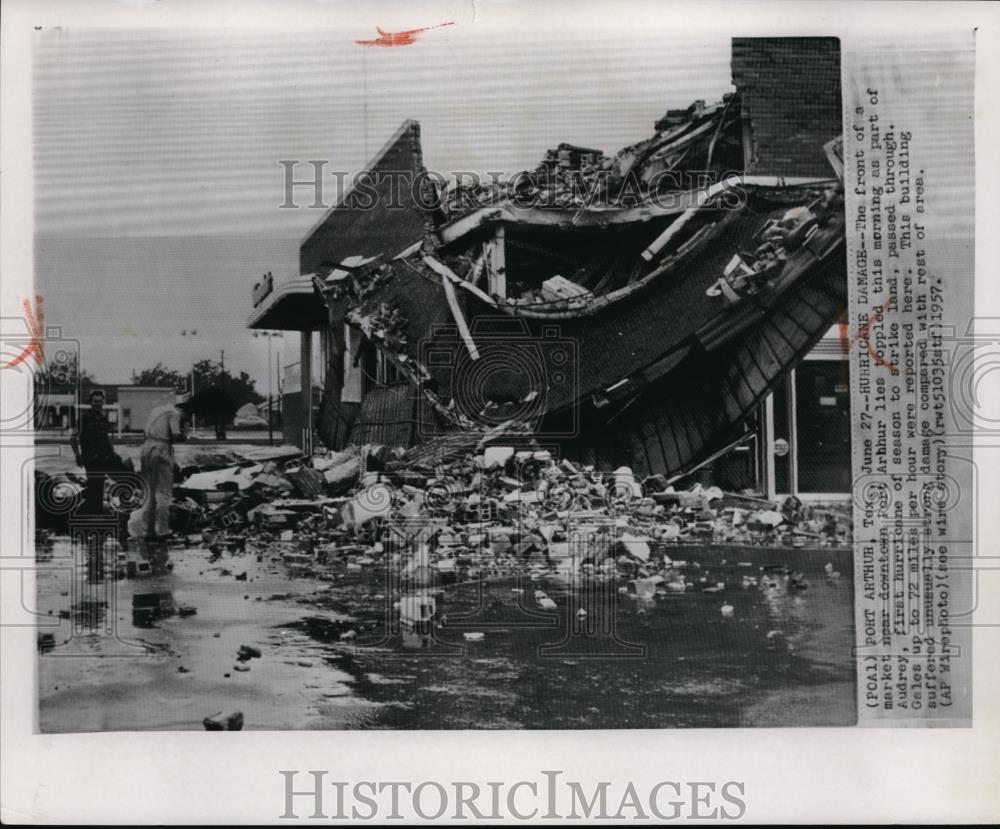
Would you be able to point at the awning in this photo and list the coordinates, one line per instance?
(294, 305)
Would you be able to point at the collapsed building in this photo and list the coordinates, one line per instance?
(490, 353)
(646, 309)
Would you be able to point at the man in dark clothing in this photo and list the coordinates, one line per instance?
(93, 450)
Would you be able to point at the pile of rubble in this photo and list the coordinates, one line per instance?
(391, 528)
(494, 511)
(685, 144)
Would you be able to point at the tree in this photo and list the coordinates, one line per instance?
(219, 394)
(160, 375)
(214, 403)
(241, 389)
(207, 374)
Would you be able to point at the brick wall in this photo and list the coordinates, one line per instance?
(790, 93)
(382, 217)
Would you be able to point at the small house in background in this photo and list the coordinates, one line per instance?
(126, 406)
(136, 402)
(55, 407)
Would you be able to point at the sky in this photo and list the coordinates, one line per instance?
(156, 155)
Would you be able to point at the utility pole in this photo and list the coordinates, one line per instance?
(270, 392)
(221, 427)
(194, 422)
(279, 382)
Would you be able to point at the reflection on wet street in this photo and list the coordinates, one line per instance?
(723, 644)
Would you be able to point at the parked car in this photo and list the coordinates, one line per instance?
(250, 422)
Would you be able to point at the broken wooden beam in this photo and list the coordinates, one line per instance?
(456, 312)
(497, 264)
(449, 275)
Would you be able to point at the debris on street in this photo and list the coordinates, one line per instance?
(539, 422)
(491, 513)
(224, 722)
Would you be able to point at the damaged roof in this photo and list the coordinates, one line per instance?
(695, 308)
(375, 217)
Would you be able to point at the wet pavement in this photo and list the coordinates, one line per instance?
(333, 655)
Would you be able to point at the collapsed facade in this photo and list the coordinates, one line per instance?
(645, 309)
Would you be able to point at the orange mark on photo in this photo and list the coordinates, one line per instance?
(847, 342)
(36, 326)
(407, 38)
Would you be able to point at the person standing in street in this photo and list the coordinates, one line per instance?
(93, 451)
(92, 448)
(166, 425)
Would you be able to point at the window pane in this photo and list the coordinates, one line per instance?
(824, 426)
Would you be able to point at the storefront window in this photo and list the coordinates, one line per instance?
(822, 392)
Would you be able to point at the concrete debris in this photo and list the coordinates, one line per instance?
(248, 652)
(495, 512)
(344, 474)
(185, 515)
(138, 569)
(148, 608)
(224, 722)
(226, 479)
(307, 481)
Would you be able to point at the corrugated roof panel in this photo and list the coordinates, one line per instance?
(386, 417)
